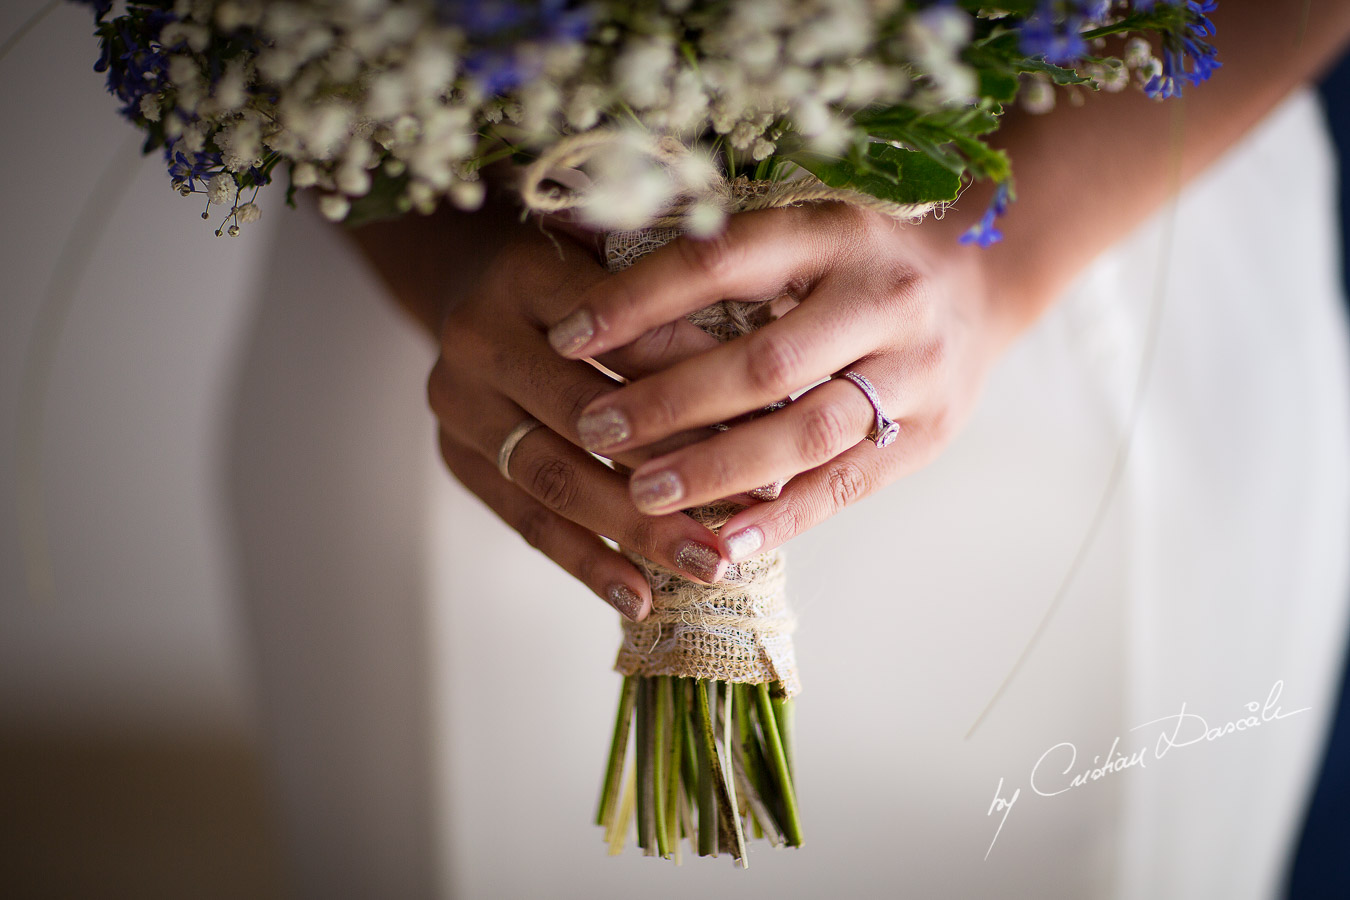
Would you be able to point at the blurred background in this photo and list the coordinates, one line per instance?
(154, 580)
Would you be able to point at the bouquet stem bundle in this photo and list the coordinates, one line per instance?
(711, 761)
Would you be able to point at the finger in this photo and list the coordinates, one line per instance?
(828, 331)
(552, 277)
(823, 423)
(658, 348)
(581, 553)
(815, 496)
(578, 487)
(759, 255)
(523, 367)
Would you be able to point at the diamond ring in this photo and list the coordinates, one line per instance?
(884, 430)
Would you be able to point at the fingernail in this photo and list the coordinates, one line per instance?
(698, 560)
(626, 601)
(603, 428)
(572, 333)
(657, 490)
(770, 491)
(744, 543)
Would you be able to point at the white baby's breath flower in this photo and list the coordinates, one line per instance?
(248, 213)
(386, 96)
(1138, 52)
(240, 143)
(628, 188)
(583, 107)
(704, 219)
(193, 139)
(353, 182)
(641, 70)
(196, 37)
(304, 175)
(467, 195)
(1037, 96)
(334, 207)
(220, 189)
(149, 107)
(422, 196)
(235, 14)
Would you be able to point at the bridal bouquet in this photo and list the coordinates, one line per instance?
(645, 120)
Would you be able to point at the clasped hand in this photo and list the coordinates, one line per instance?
(903, 306)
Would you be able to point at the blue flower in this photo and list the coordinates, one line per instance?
(1189, 46)
(135, 63)
(1054, 36)
(498, 28)
(985, 233)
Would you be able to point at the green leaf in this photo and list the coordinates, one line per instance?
(888, 173)
(998, 85)
(1057, 74)
(382, 202)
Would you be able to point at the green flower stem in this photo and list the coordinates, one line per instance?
(707, 803)
(662, 709)
(679, 713)
(618, 749)
(617, 831)
(646, 784)
(773, 741)
(784, 715)
(752, 755)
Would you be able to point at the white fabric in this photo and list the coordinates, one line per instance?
(1220, 570)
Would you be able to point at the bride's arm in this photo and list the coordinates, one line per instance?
(919, 315)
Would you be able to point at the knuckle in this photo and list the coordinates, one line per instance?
(653, 345)
(775, 364)
(823, 435)
(438, 391)
(789, 519)
(553, 482)
(711, 258)
(534, 526)
(575, 396)
(643, 537)
(847, 482)
(587, 567)
(659, 410)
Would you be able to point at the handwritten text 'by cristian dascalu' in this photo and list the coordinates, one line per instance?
(1059, 771)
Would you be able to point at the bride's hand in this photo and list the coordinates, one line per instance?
(496, 370)
(906, 307)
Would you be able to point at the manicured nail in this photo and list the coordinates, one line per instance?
(625, 600)
(744, 543)
(657, 490)
(770, 491)
(603, 429)
(572, 333)
(698, 560)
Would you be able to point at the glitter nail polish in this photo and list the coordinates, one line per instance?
(698, 560)
(770, 491)
(657, 490)
(572, 333)
(603, 428)
(625, 600)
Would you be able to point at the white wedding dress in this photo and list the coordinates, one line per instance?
(1219, 571)
(434, 698)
